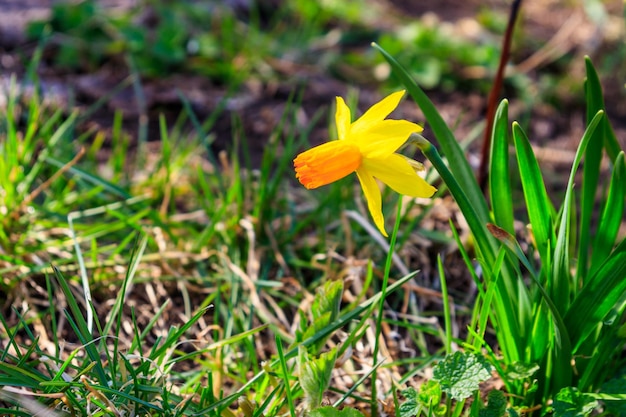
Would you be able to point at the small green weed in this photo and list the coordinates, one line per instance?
(155, 37)
(438, 58)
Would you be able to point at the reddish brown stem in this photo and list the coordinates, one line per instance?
(492, 102)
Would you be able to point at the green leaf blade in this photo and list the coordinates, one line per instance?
(535, 194)
(598, 297)
(499, 176)
(611, 217)
(456, 158)
(561, 286)
(595, 103)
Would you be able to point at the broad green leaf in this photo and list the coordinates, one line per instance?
(328, 300)
(611, 217)
(456, 158)
(570, 402)
(410, 407)
(314, 374)
(537, 202)
(521, 371)
(461, 373)
(324, 310)
(426, 400)
(430, 394)
(496, 405)
(499, 176)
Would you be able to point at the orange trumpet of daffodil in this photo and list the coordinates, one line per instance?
(368, 147)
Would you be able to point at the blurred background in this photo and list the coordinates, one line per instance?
(247, 57)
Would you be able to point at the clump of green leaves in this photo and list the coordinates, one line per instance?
(458, 376)
(571, 402)
(36, 149)
(423, 401)
(314, 374)
(434, 57)
(324, 311)
(154, 38)
(314, 370)
(560, 316)
(496, 405)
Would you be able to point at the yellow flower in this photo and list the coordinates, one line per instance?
(368, 148)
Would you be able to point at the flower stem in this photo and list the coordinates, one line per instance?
(381, 307)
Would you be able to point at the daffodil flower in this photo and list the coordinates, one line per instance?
(368, 147)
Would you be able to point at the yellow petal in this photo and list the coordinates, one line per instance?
(327, 163)
(374, 199)
(386, 137)
(395, 171)
(342, 118)
(376, 113)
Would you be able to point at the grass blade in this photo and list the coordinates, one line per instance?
(364, 307)
(611, 217)
(598, 297)
(456, 158)
(95, 180)
(510, 301)
(595, 103)
(603, 137)
(499, 177)
(561, 287)
(540, 210)
(75, 315)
